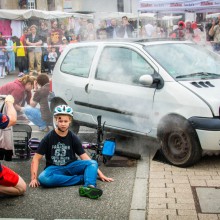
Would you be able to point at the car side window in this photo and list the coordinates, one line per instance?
(78, 61)
(122, 65)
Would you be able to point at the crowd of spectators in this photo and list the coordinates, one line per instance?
(42, 42)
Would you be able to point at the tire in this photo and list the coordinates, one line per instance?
(74, 126)
(179, 142)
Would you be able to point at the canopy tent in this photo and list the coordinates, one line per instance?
(119, 15)
(32, 13)
(214, 15)
(178, 6)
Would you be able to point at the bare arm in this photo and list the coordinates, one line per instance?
(212, 31)
(104, 178)
(32, 102)
(11, 112)
(34, 170)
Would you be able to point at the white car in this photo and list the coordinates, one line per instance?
(169, 90)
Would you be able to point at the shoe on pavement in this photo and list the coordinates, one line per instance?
(20, 74)
(90, 192)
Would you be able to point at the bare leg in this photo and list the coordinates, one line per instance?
(17, 190)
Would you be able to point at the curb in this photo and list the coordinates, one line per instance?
(140, 191)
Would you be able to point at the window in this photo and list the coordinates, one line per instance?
(31, 4)
(78, 61)
(122, 65)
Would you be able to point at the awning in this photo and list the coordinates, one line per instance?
(178, 6)
(32, 13)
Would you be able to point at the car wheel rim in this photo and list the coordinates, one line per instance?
(178, 146)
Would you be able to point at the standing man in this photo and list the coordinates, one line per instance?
(112, 30)
(60, 147)
(34, 50)
(126, 29)
(54, 37)
(10, 182)
(215, 33)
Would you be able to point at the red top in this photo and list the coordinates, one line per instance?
(17, 90)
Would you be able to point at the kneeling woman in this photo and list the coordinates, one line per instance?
(40, 116)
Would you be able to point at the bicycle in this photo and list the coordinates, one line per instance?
(101, 148)
(104, 148)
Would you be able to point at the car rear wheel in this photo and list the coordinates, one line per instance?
(179, 142)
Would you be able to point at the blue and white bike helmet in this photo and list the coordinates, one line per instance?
(63, 110)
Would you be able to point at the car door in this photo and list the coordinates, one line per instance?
(115, 91)
(74, 74)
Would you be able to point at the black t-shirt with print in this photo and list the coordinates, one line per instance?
(58, 150)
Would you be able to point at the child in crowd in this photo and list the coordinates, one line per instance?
(63, 45)
(2, 57)
(20, 55)
(73, 38)
(52, 57)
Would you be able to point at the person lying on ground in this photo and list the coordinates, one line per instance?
(10, 182)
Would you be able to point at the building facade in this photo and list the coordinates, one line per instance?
(83, 6)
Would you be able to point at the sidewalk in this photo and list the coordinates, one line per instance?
(184, 193)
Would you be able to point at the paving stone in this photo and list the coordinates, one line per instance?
(209, 199)
(162, 211)
(157, 195)
(208, 216)
(183, 200)
(198, 183)
(162, 200)
(184, 217)
(156, 217)
(187, 212)
(161, 190)
(181, 195)
(183, 206)
(215, 183)
(157, 205)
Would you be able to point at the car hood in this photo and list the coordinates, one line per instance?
(208, 90)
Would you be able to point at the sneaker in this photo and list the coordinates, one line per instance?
(20, 74)
(90, 192)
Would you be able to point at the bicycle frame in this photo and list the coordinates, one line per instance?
(100, 148)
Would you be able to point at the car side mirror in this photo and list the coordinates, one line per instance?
(149, 80)
(146, 80)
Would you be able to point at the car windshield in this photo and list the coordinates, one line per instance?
(186, 61)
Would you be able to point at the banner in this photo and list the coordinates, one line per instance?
(178, 6)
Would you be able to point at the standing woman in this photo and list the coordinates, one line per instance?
(34, 50)
(20, 89)
(3, 58)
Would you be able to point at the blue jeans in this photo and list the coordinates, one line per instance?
(78, 172)
(34, 115)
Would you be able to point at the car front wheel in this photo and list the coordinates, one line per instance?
(179, 142)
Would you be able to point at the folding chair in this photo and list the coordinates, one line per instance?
(21, 135)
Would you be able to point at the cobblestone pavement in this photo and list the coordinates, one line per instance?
(172, 190)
